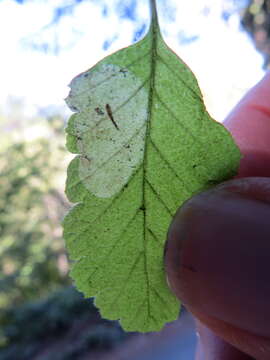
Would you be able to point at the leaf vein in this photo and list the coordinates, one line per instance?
(155, 237)
(162, 103)
(110, 252)
(162, 157)
(137, 132)
(154, 35)
(111, 203)
(104, 118)
(160, 58)
(135, 93)
(138, 311)
(111, 76)
(196, 139)
(166, 305)
(158, 197)
(126, 281)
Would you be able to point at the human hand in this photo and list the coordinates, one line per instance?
(218, 249)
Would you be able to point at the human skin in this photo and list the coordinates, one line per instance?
(218, 249)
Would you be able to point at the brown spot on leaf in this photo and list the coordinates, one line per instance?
(99, 111)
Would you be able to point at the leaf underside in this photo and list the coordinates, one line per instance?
(139, 159)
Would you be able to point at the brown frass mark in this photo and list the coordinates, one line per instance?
(74, 108)
(99, 111)
(123, 71)
(86, 158)
(109, 112)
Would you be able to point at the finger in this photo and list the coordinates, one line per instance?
(220, 340)
(249, 123)
(221, 268)
(250, 126)
(212, 347)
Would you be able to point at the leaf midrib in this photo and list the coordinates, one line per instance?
(153, 32)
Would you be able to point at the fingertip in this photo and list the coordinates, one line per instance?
(213, 347)
(218, 335)
(257, 98)
(249, 124)
(218, 240)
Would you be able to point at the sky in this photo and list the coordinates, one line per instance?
(41, 54)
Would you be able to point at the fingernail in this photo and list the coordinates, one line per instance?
(218, 253)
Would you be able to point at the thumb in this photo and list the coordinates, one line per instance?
(212, 347)
(217, 261)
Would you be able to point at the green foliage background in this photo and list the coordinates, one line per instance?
(38, 308)
(32, 255)
(255, 19)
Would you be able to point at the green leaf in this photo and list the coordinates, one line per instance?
(146, 144)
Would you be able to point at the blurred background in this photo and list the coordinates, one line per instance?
(44, 44)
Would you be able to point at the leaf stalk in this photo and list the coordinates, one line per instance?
(154, 15)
